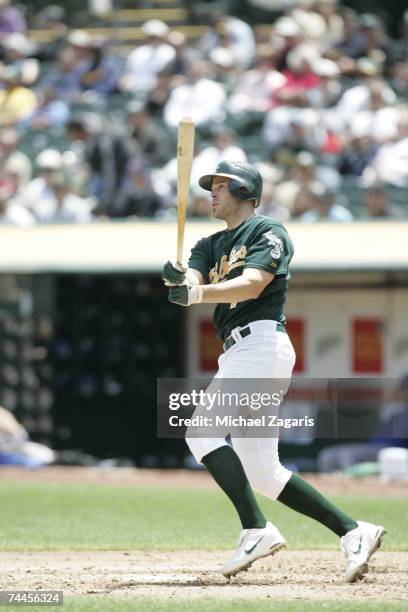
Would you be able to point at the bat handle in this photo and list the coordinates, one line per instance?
(180, 241)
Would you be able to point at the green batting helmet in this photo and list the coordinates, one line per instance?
(245, 183)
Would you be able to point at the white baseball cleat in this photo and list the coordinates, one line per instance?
(253, 544)
(358, 545)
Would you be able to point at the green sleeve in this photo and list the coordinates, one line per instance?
(200, 258)
(270, 250)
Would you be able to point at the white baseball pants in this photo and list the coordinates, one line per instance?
(265, 353)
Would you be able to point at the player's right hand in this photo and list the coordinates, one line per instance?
(173, 274)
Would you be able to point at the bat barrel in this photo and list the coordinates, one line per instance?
(185, 154)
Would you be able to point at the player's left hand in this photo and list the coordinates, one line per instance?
(186, 294)
(173, 273)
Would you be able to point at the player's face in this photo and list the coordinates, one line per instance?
(222, 202)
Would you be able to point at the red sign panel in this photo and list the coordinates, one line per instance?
(209, 345)
(296, 331)
(368, 349)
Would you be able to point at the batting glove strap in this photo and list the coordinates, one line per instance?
(186, 295)
(173, 274)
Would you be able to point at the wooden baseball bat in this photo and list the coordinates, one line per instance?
(185, 152)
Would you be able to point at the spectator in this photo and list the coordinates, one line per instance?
(399, 72)
(11, 19)
(359, 151)
(149, 137)
(184, 55)
(6, 182)
(15, 174)
(401, 54)
(286, 36)
(96, 71)
(137, 197)
(378, 205)
(300, 172)
(328, 10)
(50, 112)
(324, 99)
(352, 42)
(242, 40)
(323, 207)
(231, 33)
(390, 165)
(63, 78)
(297, 129)
(12, 213)
(52, 18)
(60, 204)
(262, 78)
(302, 203)
(18, 51)
(199, 98)
(15, 445)
(311, 23)
(224, 70)
(269, 206)
(16, 101)
(144, 63)
(375, 37)
(107, 156)
(39, 188)
(380, 116)
(158, 96)
(13, 162)
(223, 147)
(371, 95)
(328, 93)
(300, 77)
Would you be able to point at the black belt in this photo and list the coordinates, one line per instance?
(246, 331)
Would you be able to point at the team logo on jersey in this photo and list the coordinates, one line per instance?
(276, 244)
(223, 267)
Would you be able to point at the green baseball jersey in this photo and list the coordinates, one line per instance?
(259, 242)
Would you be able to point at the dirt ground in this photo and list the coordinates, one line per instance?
(312, 576)
(292, 575)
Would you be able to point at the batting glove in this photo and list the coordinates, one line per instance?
(186, 294)
(173, 274)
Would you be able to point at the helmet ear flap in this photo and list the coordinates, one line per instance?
(238, 190)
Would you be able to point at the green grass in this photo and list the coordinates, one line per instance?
(219, 605)
(97, 517)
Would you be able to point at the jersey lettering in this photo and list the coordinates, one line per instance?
(222, 268)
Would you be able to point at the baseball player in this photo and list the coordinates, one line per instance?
(244, 270)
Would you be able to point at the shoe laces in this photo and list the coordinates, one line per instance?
(241, 537)
(351, 541)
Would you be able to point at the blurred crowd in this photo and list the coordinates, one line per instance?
(318, 99)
